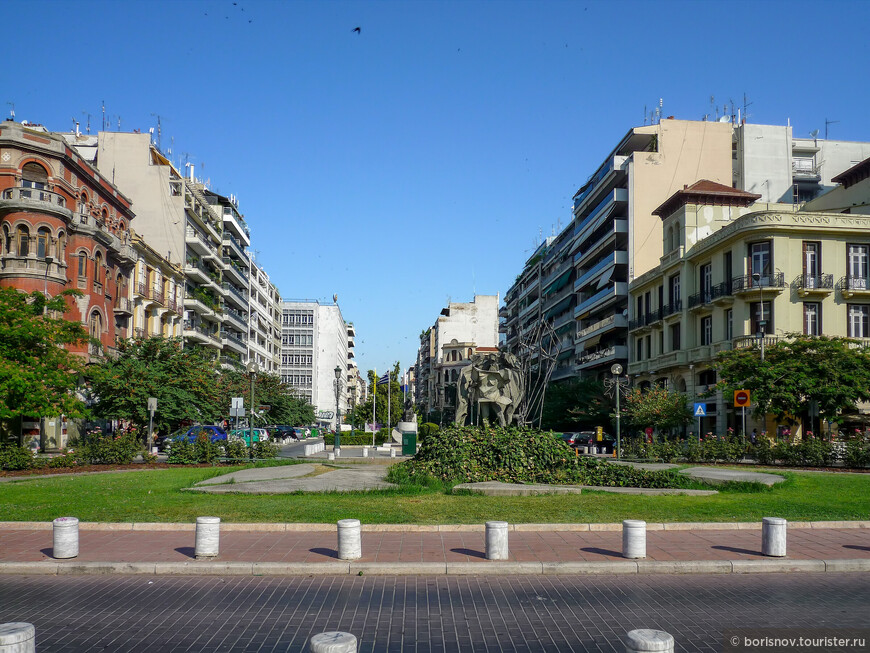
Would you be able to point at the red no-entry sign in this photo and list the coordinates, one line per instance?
(741, 398)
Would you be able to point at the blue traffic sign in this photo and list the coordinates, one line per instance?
(700, 410)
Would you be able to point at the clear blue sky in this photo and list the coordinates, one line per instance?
(419, 161)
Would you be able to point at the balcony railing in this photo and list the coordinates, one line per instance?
(701, 298)
(673, 307)
(811, 282)
(123, 305)
(34, 194)
(747, 283)
(851, 284)
(232, 289)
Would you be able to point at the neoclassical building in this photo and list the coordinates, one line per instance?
(64, 225)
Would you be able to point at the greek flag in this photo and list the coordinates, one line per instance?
(384, 379)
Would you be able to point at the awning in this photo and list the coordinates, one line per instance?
(591, 342)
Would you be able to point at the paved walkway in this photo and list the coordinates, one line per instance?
(311, 548)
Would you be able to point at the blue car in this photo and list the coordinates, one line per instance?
(216, 433)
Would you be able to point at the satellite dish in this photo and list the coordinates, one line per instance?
(814, 133)
(725, 119)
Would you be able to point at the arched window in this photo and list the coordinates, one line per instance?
(95, 326)
(33, 175)
(60, 248)
(43, 242)
(83, 265)
(678, 235)
(670, 241)
(23, 240)
(7, 240)
(469, 352)
(98, 268)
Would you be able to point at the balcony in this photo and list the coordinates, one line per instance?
(618, 257)
(771, 283)
(239, 275)
(233, 244)
(750, 342)
(601, 299)
(619, 226)
(236, 319)
(36, 200)
(723, 293)
(854, 287)
(602, 357)
(813, 284)
(672, 308)
(95, 349)
(528, 309)
(701, 299)
(200, 243)
(671, 359)
(599, 215)
(805, 169)
(232, 292)
(603, 326)
(228, 339)
(123, 306)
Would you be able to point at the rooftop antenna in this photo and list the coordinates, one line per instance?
(829, 122)
(746, 105)
(12, 112)
(159, 132)
(85, 113)
(645, 114)
(104, 114)
(713, 107)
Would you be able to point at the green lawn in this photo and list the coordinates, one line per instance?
(157, 496)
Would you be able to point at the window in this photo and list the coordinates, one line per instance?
(674, 295)
(706, 283)
(61, 246)
(23, 241)
(760, 261)
(707, 330)
(7, 240)
(857, 266)
(33, 175)
(762, 322)
(43, 241)
(812, 318)
(675, 337)
(98, 268)
(95, 327)
(812, 256)
(729, 324)
(859, 321)
(83, 265)
(639, 349)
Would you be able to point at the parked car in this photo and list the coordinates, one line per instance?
(282, 431)
(260, 435)
(590, 439)
(570, 438)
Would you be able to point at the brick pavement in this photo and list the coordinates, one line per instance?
(538, 546)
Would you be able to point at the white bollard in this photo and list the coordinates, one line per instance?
(208, 534)
(773, 536)
(633, 538)
(392, 452)
(337, 451)
(333, 642)
(349, 539)
(365, 452)
(330, 456)
(496, 540)
(66, 537)
(18, 637)
(647, 640)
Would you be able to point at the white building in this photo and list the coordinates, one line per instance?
(315, 340)
(264, 322)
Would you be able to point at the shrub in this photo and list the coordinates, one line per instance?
(107, 449)
(427, 429)
(511, 455)
(182, 452)
(14, 457)
(857, 454)
(264, 450)
(235, 450)
(359, 438)
(66, 459)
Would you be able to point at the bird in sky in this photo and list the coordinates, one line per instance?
(356, 29)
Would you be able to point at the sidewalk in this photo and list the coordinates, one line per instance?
(304, 549)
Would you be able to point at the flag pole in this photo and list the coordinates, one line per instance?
(374, 408)
(389, 417)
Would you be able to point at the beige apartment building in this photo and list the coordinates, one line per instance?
(736, 272)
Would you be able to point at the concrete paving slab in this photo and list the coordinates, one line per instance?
(499, 489)
(261, 474)
(355, 479)
(715, 475)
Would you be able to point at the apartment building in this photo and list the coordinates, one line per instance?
(156, 302)
(64, 225)
(315, 340)
(462, 329)
(264, 321)
(577, 282)
(738, 272)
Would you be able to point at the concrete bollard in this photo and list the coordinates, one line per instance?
(392, 452)
(646, 640)
(773, 536)
(65, 537)
(496, 540)
(330, 456)
(633, 538)
(365, 452)
(18, 637)
(332, 642)
(208, 534)
(337, 451)
(349, 540)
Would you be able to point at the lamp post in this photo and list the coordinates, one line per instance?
(252, 370)
(618, 384)
(761, 321)
(337, 441)
(48, 261)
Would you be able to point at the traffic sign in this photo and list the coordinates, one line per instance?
(741, 398)
(700, 409)
(264, 408)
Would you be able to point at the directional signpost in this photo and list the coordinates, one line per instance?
(700, 411)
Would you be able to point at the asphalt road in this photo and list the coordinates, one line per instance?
(416, 613)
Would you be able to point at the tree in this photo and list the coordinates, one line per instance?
(285, 406)
(37, 375)
(575, 404)
(396, 405)
(657, 407)
(797, 372)
(184, 382)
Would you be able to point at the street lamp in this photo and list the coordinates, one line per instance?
(337, 441)
(252, 370)
(618, 384)
(756, 277)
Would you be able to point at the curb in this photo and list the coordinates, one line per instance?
(483, 568)
(422, 528)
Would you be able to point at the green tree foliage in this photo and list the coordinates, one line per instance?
(574, 405)
(285, 405)
(797, 371)
(657, 407)
(37, 374)
(184, 382)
